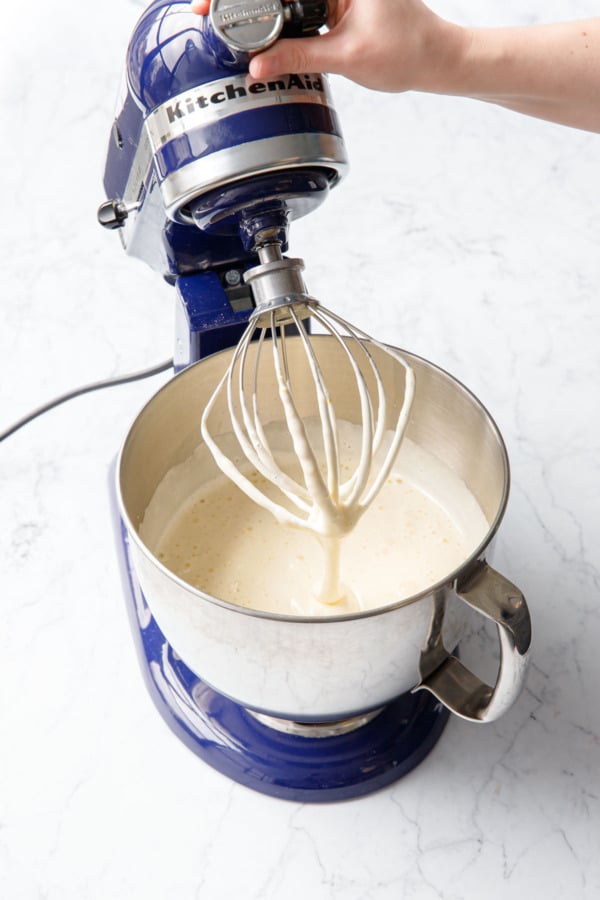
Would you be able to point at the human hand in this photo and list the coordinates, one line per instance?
(387, 45)
(549, 71)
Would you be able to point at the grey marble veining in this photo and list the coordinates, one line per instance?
(465, 233)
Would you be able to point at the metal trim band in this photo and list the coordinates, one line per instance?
(254, 158)
(244, 128)
(211, 102)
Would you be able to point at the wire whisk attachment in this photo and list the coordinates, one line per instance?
(287, 398)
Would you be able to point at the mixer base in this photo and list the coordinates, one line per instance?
(286, 765)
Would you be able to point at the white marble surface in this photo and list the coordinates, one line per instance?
(465, 233)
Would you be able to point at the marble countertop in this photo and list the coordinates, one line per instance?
(464, 233)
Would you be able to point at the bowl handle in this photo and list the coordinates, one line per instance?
(443, 675)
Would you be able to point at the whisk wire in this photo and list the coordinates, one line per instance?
(355, 485)
(227, 465)
(327, 415)
(362, 340)
(315, 484)
(252, 437)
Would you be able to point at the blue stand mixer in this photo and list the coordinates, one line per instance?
(202, 163)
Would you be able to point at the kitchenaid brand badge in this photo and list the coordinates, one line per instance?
(218, 99)
(244, 13)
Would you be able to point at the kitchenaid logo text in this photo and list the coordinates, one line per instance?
(234, 92)
(223, 98)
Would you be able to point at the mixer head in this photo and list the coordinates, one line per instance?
(201, 156)
(198, 146)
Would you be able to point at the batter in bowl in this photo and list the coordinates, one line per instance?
(423, 524)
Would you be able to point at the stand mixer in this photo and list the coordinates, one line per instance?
(206, 169)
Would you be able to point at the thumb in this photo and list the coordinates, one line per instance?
(294, 55)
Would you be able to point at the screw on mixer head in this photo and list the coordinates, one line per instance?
(255, 24)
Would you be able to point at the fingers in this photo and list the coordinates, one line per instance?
(293, 55)
(200, 6)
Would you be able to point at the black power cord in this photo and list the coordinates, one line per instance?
(86, 389)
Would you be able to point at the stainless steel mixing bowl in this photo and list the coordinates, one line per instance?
(311, 670)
